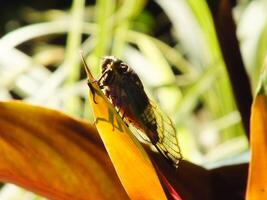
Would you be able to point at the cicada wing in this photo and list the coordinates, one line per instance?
(167, 143)
(153, 126)
(139, 133)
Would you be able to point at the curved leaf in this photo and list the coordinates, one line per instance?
(54, 155)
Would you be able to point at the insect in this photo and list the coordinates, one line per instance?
(125, 90)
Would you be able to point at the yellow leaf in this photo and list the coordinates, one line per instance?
(257, 179)
(130, 160)
(54, 155)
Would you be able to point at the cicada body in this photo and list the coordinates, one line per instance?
(125, 90)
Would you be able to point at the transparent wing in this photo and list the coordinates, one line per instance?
(155, 127)
(168, 144)
(159, 128)
(138, 133)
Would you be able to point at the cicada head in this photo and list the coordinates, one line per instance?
(107, 63)
(114, 69)
(116, 65)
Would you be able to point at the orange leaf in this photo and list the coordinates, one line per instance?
(257, 179)
(130, 160)
(54, 155)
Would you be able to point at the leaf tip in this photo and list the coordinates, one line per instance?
(86, 67)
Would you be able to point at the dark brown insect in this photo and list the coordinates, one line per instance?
(124, 89)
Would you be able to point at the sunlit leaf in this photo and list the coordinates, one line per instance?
(72, 61)
(261, 51)
(257, 180)
(130, 160)
(54, 155)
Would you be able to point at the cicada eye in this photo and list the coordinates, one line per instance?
(123, 68)
(107, 61)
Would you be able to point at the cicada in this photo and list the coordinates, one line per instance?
(125, 91)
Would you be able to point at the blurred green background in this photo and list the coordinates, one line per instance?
(171, 44)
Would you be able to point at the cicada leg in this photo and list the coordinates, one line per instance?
(125, 121)
(123, 115)
(92, 90)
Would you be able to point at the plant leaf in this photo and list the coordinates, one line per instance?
(54, 155)
(257, 179)
(130, 160)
